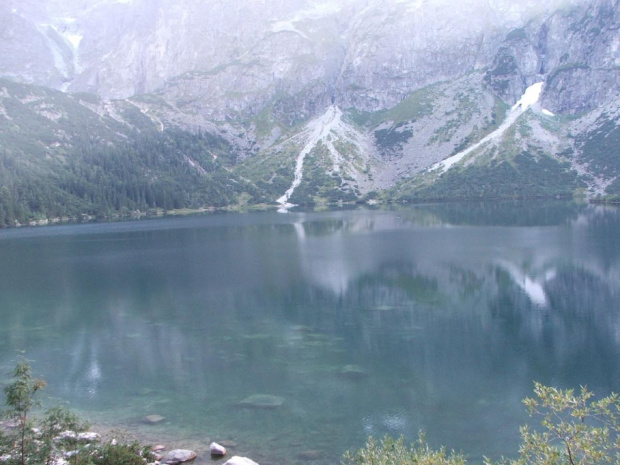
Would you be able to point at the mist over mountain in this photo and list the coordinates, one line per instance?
(318, 101)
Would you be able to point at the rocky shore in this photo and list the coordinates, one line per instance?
(159, 454)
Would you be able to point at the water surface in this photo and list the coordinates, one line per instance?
(364, 322)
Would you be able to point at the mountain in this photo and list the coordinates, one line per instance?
(310, 101)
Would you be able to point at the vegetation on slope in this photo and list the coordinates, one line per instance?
(527, 175)
(168, 170)
(60, 159)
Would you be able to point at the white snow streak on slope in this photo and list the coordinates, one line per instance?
(59, 61)
(529, 98)
(74, 39)
(317, 12)
(323, 129)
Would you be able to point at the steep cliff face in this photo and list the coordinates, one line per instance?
(576, 51)
(369, 53)
(584, 73)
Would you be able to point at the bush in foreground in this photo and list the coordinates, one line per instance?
(394, 452)
(54, 438)
(573, 429)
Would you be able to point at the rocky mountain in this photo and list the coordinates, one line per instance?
(321, 101)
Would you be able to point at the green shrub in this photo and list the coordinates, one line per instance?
(394, 452)
(121, 453)
(27, 444)
(573, 429)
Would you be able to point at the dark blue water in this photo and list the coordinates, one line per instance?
(363, 322)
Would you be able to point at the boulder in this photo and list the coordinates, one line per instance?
(89, 437)
(66, 435)
(180, 456)
(262, 401)
(158, 447)
(236, 460)
(217, 450)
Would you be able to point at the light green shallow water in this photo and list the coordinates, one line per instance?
(364, 322)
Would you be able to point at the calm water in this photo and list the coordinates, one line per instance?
(364, 322)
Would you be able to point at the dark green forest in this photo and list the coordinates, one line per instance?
(151, 171)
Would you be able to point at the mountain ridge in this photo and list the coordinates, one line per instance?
(413, 83)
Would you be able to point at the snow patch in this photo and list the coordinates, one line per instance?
(529, 98)
(547, 112)
(64, 28)
(288, 26)
(412, 5)
(59, 61)
(316, 12)
(74, 39)
(326, 128)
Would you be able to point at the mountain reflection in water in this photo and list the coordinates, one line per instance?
(435, 317)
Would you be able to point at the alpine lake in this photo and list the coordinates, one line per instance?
(292, 337)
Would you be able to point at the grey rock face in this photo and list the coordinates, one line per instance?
(583, 57)
(516, 66)
(417, 81)
(368, 55)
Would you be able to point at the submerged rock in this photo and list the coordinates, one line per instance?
(262, 401)
(353, 372)
(154, 419)
(310, 455)
(180, 456)
(236, 460)
(228, 443)
(217, 450)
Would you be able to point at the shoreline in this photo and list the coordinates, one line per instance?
(177, 437)
(135, 215)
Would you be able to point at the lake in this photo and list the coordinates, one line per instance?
(357, 322)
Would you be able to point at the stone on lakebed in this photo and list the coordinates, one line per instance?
(236, 460)
(228, 443)
(154, 419)
(180, 456)
(353, 372)
(310, 455)
(217, 450)
(262, 401)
